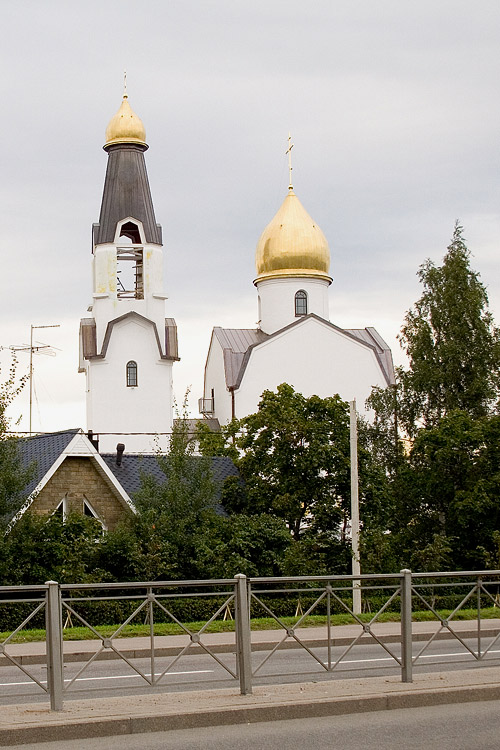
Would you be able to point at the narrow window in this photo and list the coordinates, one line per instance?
(90, 512)
(301, 302)
(61, 509)
(131, 374)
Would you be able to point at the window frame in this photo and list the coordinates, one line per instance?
(301, 303)
(131, 368)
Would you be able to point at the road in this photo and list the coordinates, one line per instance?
(461, 727)
(116, 677)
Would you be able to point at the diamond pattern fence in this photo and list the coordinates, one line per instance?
(287, 602)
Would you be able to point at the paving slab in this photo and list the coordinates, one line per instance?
(80, 719)
(28, 723)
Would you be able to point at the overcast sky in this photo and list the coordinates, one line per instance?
(393, 108)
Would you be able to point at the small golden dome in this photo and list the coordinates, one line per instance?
(125, 126)
(292, 245)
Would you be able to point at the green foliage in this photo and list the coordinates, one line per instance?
(13, 476)
(219, 443)
(451, 342)
(39, 549)
(174, 512)
(253, 545)
(435, 432)
(295, 459)
(451, 503)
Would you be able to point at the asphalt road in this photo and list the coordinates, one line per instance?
(116, 677)
(461, 727)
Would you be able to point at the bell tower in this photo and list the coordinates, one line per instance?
(127, 346)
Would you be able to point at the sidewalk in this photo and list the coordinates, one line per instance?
(174, 710)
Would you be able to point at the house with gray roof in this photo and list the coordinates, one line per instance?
(70, 475)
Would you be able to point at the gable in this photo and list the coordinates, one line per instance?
(238, 344)
(78, 481)
(313, 357)
(47, 453)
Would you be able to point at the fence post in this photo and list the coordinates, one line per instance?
(55, 680)
(243, 645)
(406, 634)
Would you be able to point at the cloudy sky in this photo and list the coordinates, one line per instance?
(394, 110)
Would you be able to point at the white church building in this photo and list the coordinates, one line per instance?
(294, 341)
(127, 346)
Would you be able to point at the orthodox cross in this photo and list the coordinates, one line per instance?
(289, 152)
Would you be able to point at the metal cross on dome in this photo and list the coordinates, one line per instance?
(289, 152)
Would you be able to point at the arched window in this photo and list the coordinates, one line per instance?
(301, 302)
(131, 374)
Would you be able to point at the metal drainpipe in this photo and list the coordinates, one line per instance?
(233, 409)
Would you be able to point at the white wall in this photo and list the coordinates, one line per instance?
(114, 407)
(215, 378)
(315, 359)
(277, 301)
(107, 306)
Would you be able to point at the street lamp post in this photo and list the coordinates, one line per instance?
(356, 568)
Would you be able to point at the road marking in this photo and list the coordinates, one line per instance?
(111, 677)
(131, 676)
(423, 656)
(210, 671)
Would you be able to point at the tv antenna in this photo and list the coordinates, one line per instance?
(35, 348)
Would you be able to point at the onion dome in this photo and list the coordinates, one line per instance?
(292, 245)
(125, 126)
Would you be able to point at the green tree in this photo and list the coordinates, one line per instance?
(451, 342)
(14, 477)
(218, 443)
(174, 510)
(41, 548)
(255, 545)
(434, 430)
(295, 458)
(449, 512)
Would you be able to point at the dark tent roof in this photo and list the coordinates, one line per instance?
(133, 466)
(43, 450)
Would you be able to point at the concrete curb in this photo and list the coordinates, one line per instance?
(86, 728)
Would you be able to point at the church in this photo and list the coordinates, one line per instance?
(294, 341)
(127, 345)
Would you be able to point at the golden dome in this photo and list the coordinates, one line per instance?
(125, 126)
(292, 245)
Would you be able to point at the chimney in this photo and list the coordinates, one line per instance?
(93, 440)
(119, 453)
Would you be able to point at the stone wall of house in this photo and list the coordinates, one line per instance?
(77, 479)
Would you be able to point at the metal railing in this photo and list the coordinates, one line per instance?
(326, 593)
(151, 602)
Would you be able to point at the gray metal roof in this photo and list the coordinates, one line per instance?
(237, 344)
(212, 423)
(126, 193)
(384, 355)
